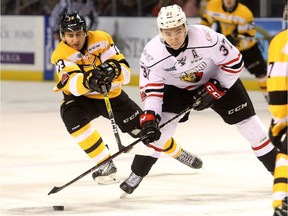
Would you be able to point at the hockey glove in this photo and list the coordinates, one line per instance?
(278, 135)
(234, 40)
(103, 75)
(207, 95)
(149, 123)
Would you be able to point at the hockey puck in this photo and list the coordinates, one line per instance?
(58, 208)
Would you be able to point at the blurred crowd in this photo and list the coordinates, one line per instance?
(192, 8)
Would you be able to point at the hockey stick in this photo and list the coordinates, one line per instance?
(112, 119)
(125, 149)
(140, 151)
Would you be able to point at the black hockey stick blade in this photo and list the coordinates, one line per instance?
(124, 150)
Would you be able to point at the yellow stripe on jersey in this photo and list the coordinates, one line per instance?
(280, 187)
(278, 49)
(277, 83)
(279, 111)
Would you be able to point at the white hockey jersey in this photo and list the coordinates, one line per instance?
(208, 55)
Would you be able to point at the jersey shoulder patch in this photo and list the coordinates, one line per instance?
(201, 36)
(153, 52)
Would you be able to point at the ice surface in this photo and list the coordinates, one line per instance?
(37, 154)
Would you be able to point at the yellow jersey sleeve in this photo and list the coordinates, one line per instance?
(277, 79)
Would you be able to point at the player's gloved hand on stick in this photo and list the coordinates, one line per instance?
(149, 123)
(104, 74)
(207, 94)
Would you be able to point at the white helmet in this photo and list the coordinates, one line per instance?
(170, 17)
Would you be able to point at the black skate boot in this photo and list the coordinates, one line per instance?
(106, 174)
(282, 210)
(190, 160)
(130, 184)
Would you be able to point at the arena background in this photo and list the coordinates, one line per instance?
(26, 48)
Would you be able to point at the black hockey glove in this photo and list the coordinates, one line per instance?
(149, 123)
(103, 75)
(234, 40)
(278, 135)
(207, 95)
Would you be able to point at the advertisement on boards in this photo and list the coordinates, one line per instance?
(27, 42)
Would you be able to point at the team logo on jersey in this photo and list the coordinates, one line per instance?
(173, 68)
(192, 77)
(180, 62)
(64, 78)
(148, 57)
(207, 36)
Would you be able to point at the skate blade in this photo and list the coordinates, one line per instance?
(107, 180)
(123, 195)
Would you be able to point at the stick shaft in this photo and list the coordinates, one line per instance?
(112, 119)
(125, 149)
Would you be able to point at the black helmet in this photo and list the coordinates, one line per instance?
(72, 22)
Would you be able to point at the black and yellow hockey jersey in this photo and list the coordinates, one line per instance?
(239, 22)
(72, 64)
(277, 82)
(277, 87)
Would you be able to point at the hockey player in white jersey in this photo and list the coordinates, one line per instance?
(192, 65)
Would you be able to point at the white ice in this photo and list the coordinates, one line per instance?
(37, 154)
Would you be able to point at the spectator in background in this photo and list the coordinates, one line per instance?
(277, 86)
(236, 22)
(86, 8)
(202, 12)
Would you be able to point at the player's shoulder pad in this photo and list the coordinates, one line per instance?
(153, 52)
(245, 12)
(201, 36)
(64, 52)
(99, 34)
(212, 4)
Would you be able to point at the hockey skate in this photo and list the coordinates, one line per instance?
(130, 184)
(106, 174)
(282, 210)
(190, 160)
